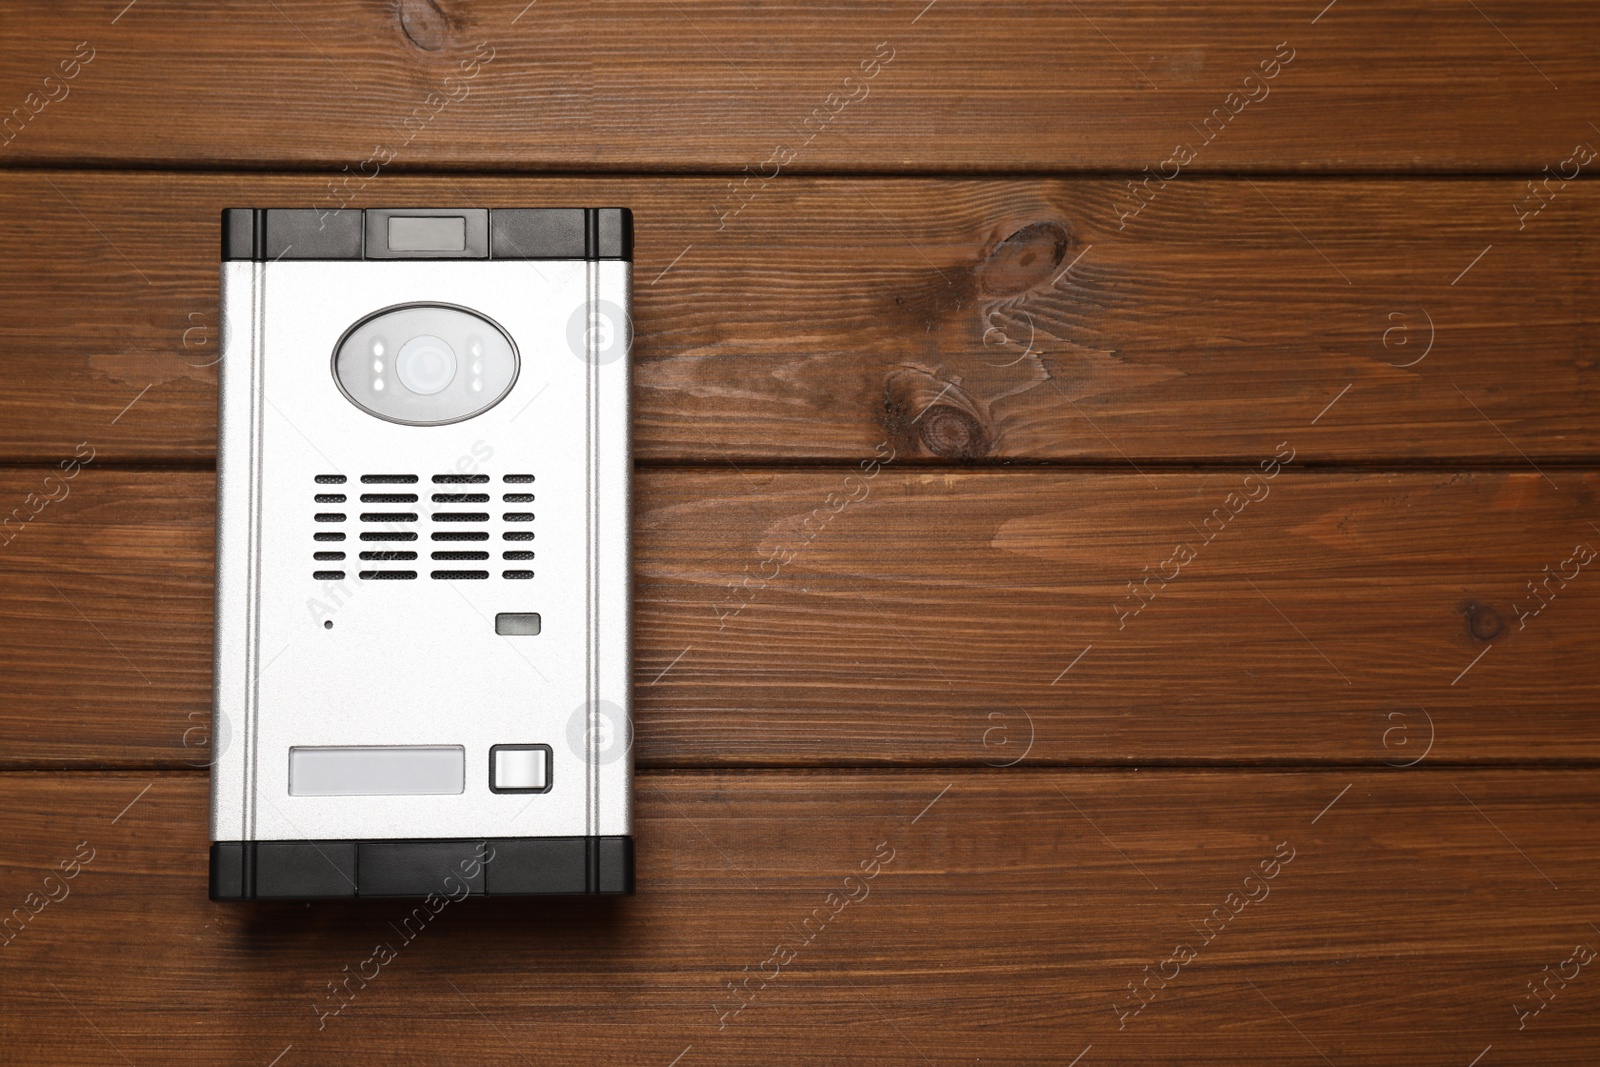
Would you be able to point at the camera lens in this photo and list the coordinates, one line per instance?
(425, 364)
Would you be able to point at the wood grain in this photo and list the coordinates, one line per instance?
(1370, 321)
(1007, 915)
(903, 616)
(969, 549)
(709, 84)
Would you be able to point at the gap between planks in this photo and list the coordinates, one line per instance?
(1096, 769)
(555, 170)
(1020, 466)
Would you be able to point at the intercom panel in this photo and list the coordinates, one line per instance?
(422, 619)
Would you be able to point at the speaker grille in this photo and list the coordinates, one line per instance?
(461, 511)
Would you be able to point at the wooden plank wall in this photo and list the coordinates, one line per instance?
(1116, 493)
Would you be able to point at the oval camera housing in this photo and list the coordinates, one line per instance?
(425, 364)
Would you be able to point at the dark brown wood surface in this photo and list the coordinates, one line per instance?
(955, 320)
(838, 617)
(1007, 914)
(933, 386)
(697, 84)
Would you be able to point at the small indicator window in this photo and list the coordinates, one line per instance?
(517, 624)
(411, 233)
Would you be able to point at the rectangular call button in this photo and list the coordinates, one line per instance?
(519, 768)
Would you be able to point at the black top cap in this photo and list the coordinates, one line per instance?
(271, 234)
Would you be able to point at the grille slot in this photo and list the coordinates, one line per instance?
(518, 535)
(326, 556)
(517, 479)
(517, 553)
(327, 535)
(387, 498)
(331, 498)
(460, 574)
(459, 479)
(331, 479)
(382, 557)
(447, 556)
(516, 498)
(460, 535)
(379, 576)
(388, 535)
(328, 576)
(516, 574)
(460, 498)
(388, 479)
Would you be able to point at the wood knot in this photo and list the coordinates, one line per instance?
(1483, 621)
(1024, 259)
(951, 433)
(931, 417)
(424, 24)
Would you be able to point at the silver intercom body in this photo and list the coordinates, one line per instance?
(422, 631)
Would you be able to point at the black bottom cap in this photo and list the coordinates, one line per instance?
(511, 866)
